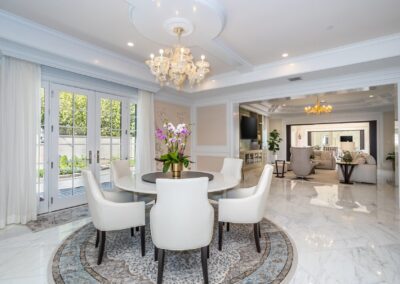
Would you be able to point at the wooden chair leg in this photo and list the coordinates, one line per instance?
(132, 232)
(257, 237)
(155, 253)
(102, 245)
(259, 229)
(143, 240)
(204, 264)
(161, 256)
(220, 232)
(97, 238)
(227, 226)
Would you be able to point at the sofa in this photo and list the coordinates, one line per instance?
(365, 171)
(325, 159)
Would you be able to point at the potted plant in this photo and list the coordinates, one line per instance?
(273, 143)
(347, 158)
(391, 157)
(175, 138)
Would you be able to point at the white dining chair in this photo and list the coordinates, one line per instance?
(182, 219)
(111, 214)
(120, 169)
(231, 167)
(246, 206)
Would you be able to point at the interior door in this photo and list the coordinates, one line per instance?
(72, 144)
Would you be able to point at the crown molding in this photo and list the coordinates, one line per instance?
(360, 52)
(30, 41)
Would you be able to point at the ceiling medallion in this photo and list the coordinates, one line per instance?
(318, 108)
(176, 64)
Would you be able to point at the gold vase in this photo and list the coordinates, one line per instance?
(176, 169)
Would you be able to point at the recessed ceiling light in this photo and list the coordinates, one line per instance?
(158, 4)
(194, 8)
(371, 96)
(130, 44)
(177, 12)
(323, 101)
(285, 54)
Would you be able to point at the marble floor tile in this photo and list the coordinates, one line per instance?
(343, 234)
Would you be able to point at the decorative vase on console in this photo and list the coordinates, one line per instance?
(175, 138)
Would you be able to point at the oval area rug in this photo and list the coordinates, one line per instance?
(238, 262)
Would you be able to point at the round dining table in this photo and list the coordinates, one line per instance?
(134, 183)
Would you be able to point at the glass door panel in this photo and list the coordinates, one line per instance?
(73, 147)
(110, 137)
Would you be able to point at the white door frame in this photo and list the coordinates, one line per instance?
(55, 202)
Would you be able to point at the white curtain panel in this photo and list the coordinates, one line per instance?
(145, 145)
(19, 112)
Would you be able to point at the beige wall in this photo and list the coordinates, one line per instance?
(209, 163)
(174, 113)
(211, 125)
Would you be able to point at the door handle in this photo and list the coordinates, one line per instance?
(90, 157)
(98, 156)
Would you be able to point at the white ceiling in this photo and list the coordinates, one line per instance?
(380, 98)
(256, 32)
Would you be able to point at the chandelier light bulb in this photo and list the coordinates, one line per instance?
(202, 57)
(152, 55)
(161, 51)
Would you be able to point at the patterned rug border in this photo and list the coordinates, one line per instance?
(284, 275)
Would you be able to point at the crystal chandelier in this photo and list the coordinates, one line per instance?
(176, 64)
(318, 108)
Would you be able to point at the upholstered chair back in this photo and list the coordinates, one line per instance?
(300, 161)
(262, 191)
(232, 167)
(120, 168)
(94, 197)
(182, 218)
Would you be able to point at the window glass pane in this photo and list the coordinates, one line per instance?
(80, 111)
(40, 158)
(132, 135)
(65, 109)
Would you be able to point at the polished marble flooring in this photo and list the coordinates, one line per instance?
(343, 234)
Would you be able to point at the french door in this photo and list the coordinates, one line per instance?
(88, 130)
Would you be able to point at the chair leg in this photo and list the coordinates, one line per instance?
(227, 226)
(257, 237)
(220, 232)
(132, 232)
(208, 251)
(204, 264)
(102, 245)
(142, 239)
(161, 256)
(155, 253)
(137, 229)
(97, 238)
(259, 229)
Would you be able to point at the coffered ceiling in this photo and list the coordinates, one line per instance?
(380, 98)
(252, 33)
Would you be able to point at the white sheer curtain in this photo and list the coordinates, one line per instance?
(19, 109)
(145, 145)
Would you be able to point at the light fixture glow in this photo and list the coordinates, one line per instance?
(285, 55)
(176, 65)
(318, 108)
(130, 44)
(371, 96)
(194, 8)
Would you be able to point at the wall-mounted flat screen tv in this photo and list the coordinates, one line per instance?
(346, 138)
(248, 127)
